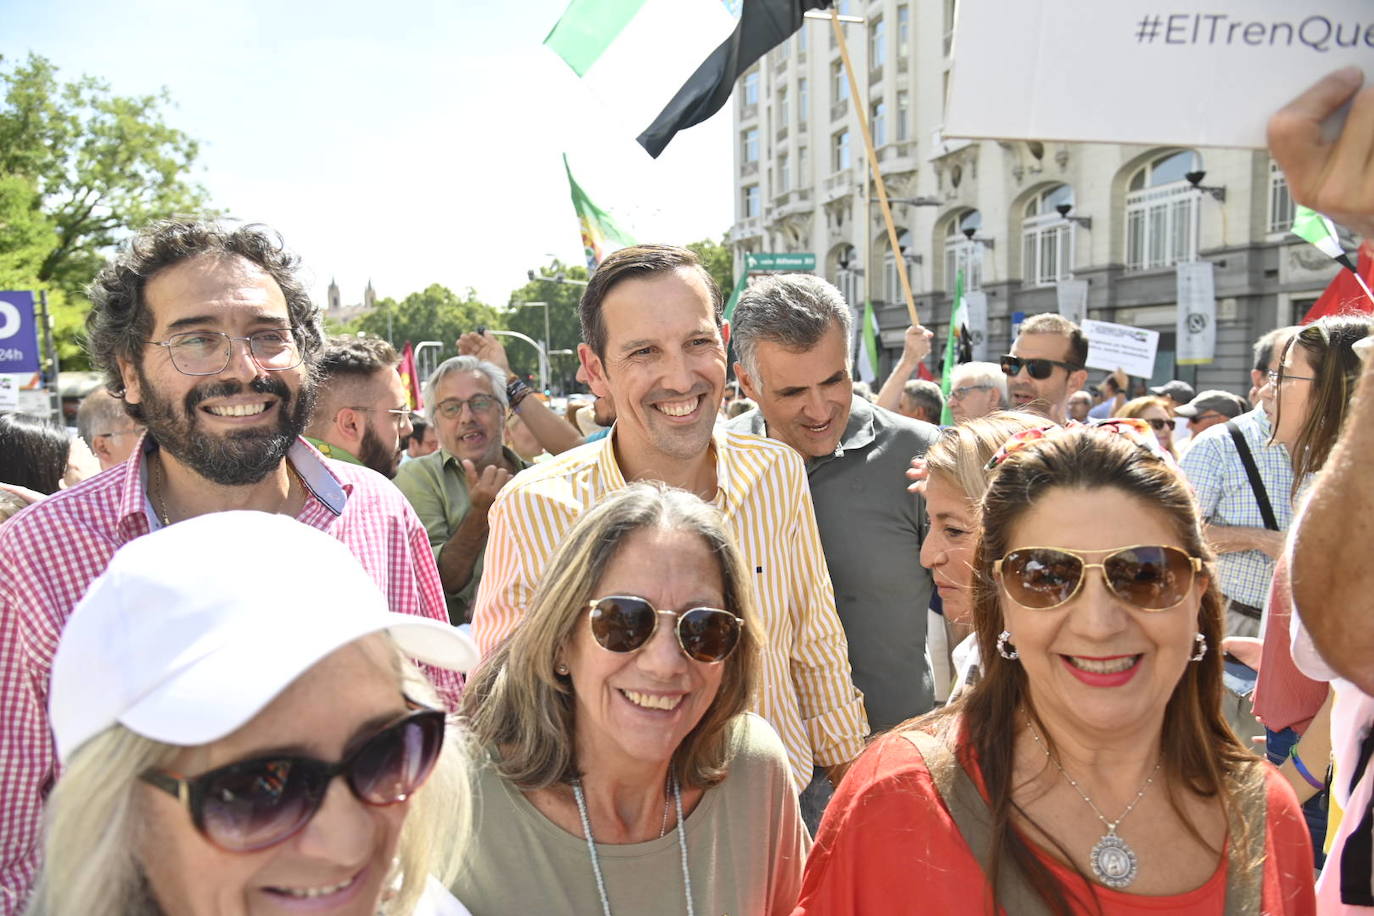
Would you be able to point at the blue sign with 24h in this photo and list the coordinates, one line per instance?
(18, 332)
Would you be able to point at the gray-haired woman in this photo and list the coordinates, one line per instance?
(623, 774)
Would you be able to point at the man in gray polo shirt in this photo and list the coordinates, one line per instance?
(791, 334)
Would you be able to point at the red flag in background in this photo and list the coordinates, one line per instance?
(1344, 294)
(923, 371)
(406, 368)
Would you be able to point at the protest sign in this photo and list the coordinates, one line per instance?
(1120, 346)
(1188, 73)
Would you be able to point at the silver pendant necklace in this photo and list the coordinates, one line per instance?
(596, 862)
(1112, 859)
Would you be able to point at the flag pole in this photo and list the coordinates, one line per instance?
(859, 110)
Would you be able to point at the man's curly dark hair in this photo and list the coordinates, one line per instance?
(120, 323)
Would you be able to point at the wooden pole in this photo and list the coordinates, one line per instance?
(860, 110)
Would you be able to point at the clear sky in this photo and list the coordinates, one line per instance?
(407, 142)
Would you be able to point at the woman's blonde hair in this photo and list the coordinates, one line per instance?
(962, 452)
(521, 711)
(94, 821)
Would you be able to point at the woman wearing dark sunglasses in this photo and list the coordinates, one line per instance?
(1156, 412)
(1090, 769)
(623, 775)
(243, 734)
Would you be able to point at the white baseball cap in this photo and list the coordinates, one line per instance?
(192, 630)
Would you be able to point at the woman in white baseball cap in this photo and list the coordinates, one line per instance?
(206, 692)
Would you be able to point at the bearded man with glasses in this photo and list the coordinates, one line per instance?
(361, 416)
(1047, 363)
(210, 339)
(453, 488)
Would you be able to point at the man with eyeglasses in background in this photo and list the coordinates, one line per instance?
(210, 338)
(107, 428)
(976, 390)
(452, 488)
(361, 416)
(1208, 409)
(1047, 363)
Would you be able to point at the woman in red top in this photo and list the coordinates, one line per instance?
(1054, 785)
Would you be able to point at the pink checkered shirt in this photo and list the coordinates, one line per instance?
(50, 552)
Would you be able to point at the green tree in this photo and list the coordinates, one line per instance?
(564, 328)
(437, 313)
(98, 166)
(720, 264)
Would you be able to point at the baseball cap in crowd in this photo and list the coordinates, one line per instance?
(193, 629)
(1223, 402)
(1180, 392)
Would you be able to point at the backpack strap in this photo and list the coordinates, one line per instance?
(1252, 472)
(1245, 841)
(974, 820)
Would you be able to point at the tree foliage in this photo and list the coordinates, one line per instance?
(719, 263)
(565, 330)
(82, 168)
(436, 313)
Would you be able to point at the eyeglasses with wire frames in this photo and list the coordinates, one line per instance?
(1277, 377)
(1151, 577)
(401, 415)
(209, 352)
(626, 623)
(958, 394)
(480, 404)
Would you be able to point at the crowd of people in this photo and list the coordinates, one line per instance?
(775, 646)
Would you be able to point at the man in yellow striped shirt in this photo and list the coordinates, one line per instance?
(655, 348)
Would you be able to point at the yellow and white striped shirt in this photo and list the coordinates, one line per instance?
(805, 689)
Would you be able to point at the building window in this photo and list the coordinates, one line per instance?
(803, 101)
(892, 284)
(839, 151)
(751, 88)
(784, 175)
(782, 107)
(847, 273)
(801, 37)
(951, 13)
(1162, 212)
(903, 115)
(749, 145)
(877, 44)
(803, 174)
(877, 122)
(784, 50)
(963, 253)
(1047, 238)
(1280, 201)
(903, 31)
(839, 85)
(751, 201)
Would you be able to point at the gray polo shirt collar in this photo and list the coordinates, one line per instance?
(858, 431)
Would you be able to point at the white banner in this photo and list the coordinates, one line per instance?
(1075, 69)
(976, 320)
(1120, 346)
(1073, 299)
(1197, 313)
(9, 391)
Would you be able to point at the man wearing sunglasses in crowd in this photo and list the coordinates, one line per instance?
(360, 414)
(1047, 363)
(210, 338)
(452, 488)
(655, 345)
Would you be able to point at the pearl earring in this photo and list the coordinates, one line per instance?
(1005, 648)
